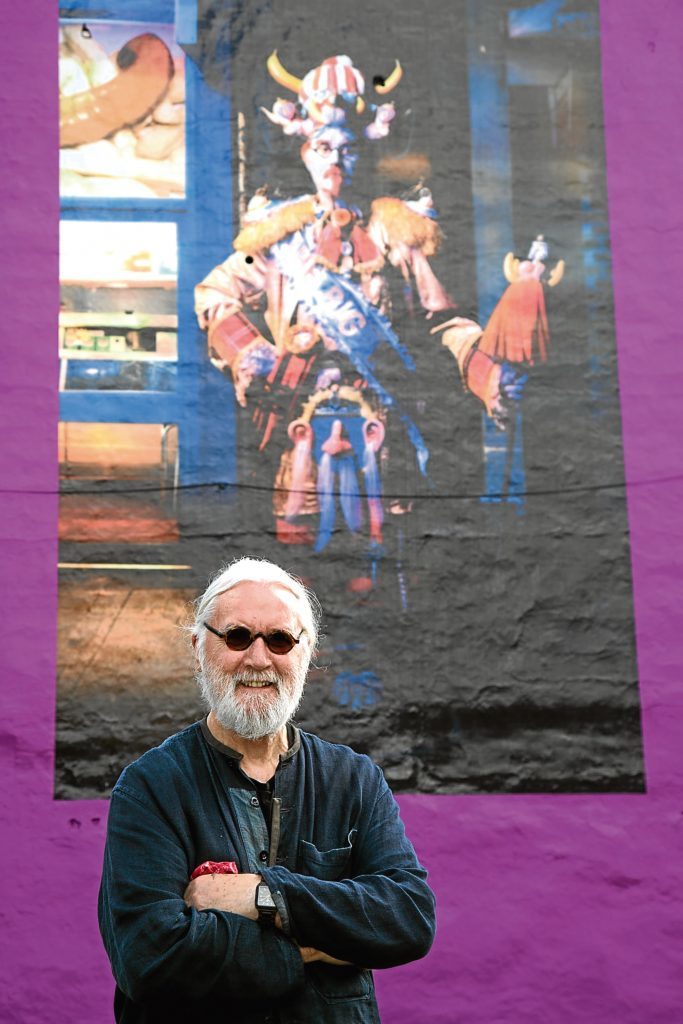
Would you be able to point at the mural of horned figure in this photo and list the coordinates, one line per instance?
(318, 384)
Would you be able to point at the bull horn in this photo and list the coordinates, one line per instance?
(556, 274)
(391, 82)
(511, 268)
(282, 76)
(360, 104)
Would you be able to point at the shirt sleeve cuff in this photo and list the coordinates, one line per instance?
(279, 901)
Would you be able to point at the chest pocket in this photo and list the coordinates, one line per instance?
(329, 865)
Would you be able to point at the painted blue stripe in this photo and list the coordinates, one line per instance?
(490, 149)
(159, 12)
(97, 208)
(186, 21)
(118, 407)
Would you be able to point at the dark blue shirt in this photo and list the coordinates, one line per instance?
(342, 872)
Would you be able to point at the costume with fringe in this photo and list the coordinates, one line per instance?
(318, 278)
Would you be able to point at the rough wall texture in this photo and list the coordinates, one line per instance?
(552, 908)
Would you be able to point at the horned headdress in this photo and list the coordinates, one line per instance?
(327, 95)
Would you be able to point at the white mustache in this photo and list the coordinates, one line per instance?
(253, 676)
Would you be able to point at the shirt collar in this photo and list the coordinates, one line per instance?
(293, 739)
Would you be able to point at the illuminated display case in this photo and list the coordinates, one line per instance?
(118, 325)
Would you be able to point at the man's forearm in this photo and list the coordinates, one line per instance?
(373, 920)
(234, 894)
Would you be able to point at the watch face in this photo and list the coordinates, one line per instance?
(264, 900)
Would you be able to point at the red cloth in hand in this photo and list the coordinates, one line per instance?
(215, 867)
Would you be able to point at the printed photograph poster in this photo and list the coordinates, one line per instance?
(371, 338)
(122, 110)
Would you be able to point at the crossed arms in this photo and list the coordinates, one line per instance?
(163, 936)
(234, 894)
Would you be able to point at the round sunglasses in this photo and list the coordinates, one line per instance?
(239, 638)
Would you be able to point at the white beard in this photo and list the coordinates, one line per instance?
(258, 714)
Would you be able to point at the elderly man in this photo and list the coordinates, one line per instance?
(254, 872)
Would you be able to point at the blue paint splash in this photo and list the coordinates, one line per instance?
(357, 690)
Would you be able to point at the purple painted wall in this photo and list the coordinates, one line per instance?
(552, 909)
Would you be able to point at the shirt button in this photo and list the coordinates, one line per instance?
(263, 855)
(254, 801)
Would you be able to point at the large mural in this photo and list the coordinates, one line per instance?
(340, 296)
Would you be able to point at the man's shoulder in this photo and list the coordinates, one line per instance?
(170, 760)
(401, 222)
(275, 220)
(339, 758)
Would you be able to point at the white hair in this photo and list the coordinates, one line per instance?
(256, 570)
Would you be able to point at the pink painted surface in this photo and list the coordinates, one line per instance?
(551, 909)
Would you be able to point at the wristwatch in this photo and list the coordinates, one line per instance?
(265, 904)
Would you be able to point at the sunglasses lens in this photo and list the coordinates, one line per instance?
(279, 642)
(238, 638)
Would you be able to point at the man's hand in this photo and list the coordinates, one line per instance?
(235, 894)
(310, 955)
